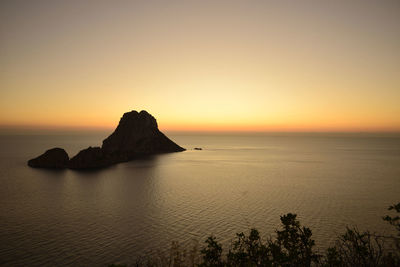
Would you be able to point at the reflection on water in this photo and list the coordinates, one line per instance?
(236, 182)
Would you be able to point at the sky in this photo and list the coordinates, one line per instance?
(201, 65)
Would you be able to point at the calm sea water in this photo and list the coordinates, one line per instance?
(236, 182)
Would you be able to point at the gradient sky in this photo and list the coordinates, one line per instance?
(202, 65)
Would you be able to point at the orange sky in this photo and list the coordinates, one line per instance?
(202, 65)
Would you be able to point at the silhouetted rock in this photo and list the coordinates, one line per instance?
(137, 135)
(53, 158)
(198, 148)
(89, 158)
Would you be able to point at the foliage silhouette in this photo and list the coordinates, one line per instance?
(292, 246)
(212, 253)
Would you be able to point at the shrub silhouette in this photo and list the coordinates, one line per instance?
(292, 246)
(212, 253)
(248, 251)
(355, 248)
(395, 222)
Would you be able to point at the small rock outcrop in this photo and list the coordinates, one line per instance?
(136, 135)
(55, 158)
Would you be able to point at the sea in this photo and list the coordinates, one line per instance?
(238, 181)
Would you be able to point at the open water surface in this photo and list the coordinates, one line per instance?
(236, 182)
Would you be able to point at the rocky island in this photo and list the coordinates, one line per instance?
(136, 135)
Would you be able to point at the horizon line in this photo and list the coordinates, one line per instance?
(57, 129)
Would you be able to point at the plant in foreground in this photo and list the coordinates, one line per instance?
(292, 246)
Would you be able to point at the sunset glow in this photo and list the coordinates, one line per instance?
(202, 65)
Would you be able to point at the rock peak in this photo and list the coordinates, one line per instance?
(135, 132)
(134, 119)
